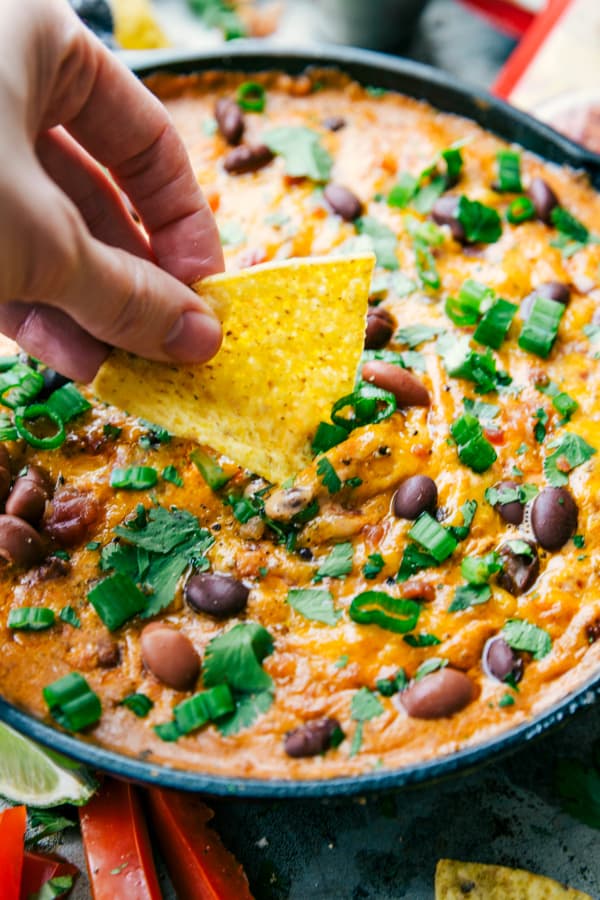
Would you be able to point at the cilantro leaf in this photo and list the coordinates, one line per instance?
(522, 635)
(161, 530)
(329, 476)
(570, 451)
(424, 639)
(302, 151)
(483, 411)
(413, 560)
(248, 707)
(234, 658)
(373, 565)
(468, 510)
(467, 595)
(430, 665)
(337, 564)
(383, 240)
(315, 604)
(413, 335)
(365, 706)
(481, 223)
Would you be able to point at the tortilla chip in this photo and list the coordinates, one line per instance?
(456, 880)
(136, 27)
(293, 336)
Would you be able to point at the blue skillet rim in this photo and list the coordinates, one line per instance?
(439, 89)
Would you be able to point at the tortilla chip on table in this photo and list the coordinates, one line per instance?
(455, 880)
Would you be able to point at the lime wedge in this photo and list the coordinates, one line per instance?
(36, 777)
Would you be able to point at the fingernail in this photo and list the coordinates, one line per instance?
(194, 338)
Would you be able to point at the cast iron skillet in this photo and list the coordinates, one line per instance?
(428, 84)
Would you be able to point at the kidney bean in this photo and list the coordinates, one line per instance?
(553, 517)
(445, 212)
(217, 595)
(29, 494)
(519, 570)
(552, 290)
(406, 387)
(415, 495)
(334, 123)
(499, 660)
(343, 201)
(543, 198)
(170, 656)
(513, 511)
(312, 738)
(71, 516)
(380, 328)
(418, 590)
(437, 695)
(230, 120)
(20, 544)
(247, 159)
(5, 476)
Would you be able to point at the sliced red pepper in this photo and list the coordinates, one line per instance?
(13, 823)
(116, 844)
(198, 863)
(39, 869)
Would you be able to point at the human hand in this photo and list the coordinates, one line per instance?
(84, 274)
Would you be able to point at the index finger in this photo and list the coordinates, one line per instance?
(119, 122)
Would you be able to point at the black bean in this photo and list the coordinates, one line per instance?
(519, 569)
(343, 201)
(312, 738)
(334, 123)
(416, 495)
(230, 120)
(305, 553)
(501, 661)
(247, 159)
(553, 517)
(552, 290)
(543, 198)
(217, 595)
(380, 328)
(52, 382)
(445, 212)
(511, 512)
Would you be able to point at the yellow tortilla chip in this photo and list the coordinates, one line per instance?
(136, 27)
(456, 880)
(293, 336)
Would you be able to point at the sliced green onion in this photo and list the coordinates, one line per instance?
(67, 402)
(473, 299)
(31, 618)
(565, 405)
(134, 478)
(453, 158)
(520, 210)
(425, 264)
(435, 539)
(479, 569)
(403, 192)
(7, 362)
(474, 450)
(139, 704)
(8, 432)
(24, 414)
(365, 406)
(494, 326)
(206, 706)
(211, 471)
(117, 599)
(392, 613)
(167, 731)
(509, 171)
(68, 615)
(171, 475)
(387, 687)
(72, 703)
(568, 225)
(481, 223)
(21, 383)
(541, 328)
(467, 595)
(251, 97)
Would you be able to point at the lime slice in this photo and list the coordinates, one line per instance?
(36, 777)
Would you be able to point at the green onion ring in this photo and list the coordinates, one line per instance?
(37, 411)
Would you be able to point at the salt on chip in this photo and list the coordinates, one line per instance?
(293, 336)
(456, 880)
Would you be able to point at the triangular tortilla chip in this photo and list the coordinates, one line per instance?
(456, 880)
(293, 336)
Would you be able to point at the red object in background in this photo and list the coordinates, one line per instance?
(117, 847)
(199, 865)
(505, 16)
(13, 823)
(39, 869)
(520, 59)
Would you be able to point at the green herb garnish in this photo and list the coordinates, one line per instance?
(302, 151)
(338, 564)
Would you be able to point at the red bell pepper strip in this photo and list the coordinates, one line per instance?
(13, 823)
(39, 869)
(199, 865)
(116, 844)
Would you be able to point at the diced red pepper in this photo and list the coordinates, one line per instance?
(199, 865)
(13, 823)
(116, 844)
(38, 868)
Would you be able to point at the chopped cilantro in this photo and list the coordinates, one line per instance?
(232, 234)
(315, 604)
(338, 564)
(579, 540)
(302, 151)
(430, 665)
(328, 475)
(93, 545)
(572, 234)
(561, 401)
(479, 569)
(112, 432)
(139, 704)
(413, 561)
(387, 687)
(171, 474)
(522, 635)
(364, 706)
(342, 662)
(481, 223)
(468, 510)
(506, 700)
(383, 240)
(467, 595)
(483, 411)
(570, 451)
(421, 640)
(154, 435)
(539, 430)
(413, 335)
(373, 565)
